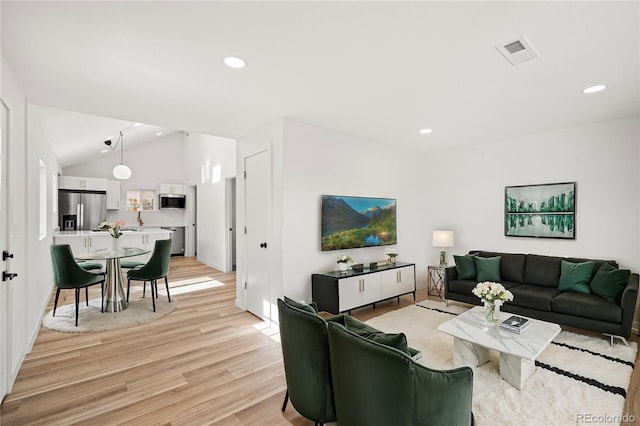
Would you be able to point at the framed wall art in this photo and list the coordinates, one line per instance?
(540, 211)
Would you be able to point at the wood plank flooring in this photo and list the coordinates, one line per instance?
(208, 362)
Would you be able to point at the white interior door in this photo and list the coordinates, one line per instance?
(257, 219)
(4, 243)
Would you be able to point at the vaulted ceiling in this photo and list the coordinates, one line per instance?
(378, 70)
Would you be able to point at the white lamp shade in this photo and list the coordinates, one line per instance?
(121, 172)
(443, 238)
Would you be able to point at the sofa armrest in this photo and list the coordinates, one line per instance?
(450, 274)
(628, 304)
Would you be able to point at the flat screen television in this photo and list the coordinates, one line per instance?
(352, 222)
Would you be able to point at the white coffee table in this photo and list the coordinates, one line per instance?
(472, 340)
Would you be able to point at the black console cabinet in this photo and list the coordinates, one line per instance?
(337, 291)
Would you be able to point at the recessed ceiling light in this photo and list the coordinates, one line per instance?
(234, 62)
(594, 89)
(104, 151)
(159, 134)
(425, 131)
(138, 124)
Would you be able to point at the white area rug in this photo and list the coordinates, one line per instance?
(579, 379)
(90, 318)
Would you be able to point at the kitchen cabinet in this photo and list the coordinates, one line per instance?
(171, 188)
(337, 291)
(143, 240)
(85, 243)
(82, 183)
(113, 195)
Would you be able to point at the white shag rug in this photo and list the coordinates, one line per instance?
(90, 318)
(578, 380)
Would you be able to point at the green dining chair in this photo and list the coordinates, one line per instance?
(157, 267)
(68, 274)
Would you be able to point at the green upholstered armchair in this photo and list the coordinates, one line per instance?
(305, 351)
(375, 384)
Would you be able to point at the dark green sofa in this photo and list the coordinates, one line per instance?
(375, 384)
(533, 279)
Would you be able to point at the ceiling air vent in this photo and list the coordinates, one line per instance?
(517, 51)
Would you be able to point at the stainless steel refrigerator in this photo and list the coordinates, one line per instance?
(81, 210)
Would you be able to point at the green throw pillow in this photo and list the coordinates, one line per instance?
(394, 340)
(610, 282)
(311, 307)
(466, 267)
(575, 276)
(487, 268)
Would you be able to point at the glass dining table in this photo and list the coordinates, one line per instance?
(114, 299)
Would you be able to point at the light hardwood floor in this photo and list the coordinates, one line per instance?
(208, 362)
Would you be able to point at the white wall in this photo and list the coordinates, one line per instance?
(209, 162)
(39, 280)
(601, 158)
(317, 161)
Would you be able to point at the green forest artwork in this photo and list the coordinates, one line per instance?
(541, 211)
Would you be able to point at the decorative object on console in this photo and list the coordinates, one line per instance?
(443, 239)
(391, 254)
(493, 295)
(358, 267)
(343, 262)
(121, 171)
(352, 222)
(541, 211)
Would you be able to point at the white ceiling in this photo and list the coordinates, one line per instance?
(377, 70)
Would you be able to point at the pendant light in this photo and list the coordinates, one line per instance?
(121, 171)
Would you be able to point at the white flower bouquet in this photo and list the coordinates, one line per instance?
(490, 292)
(493, 295)
(112, 228)
(344, 258)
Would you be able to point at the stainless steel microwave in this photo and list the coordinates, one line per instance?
(172, 201)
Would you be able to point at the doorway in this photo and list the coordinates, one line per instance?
(231, 223)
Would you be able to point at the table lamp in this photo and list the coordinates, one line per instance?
(443, 239)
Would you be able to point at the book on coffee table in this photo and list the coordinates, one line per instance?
(515, 324)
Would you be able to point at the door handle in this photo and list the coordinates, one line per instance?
(8, 276)
(6, 255)
(263, 245)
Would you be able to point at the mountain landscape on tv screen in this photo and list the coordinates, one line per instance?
(351, 222)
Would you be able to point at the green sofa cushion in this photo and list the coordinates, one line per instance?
(311, 307)
(466, 267)
(575, 276)
(394, 340)
(487, 269)
(610, 282)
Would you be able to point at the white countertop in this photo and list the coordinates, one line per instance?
(137, 231)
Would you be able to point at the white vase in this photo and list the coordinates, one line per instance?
(343, 266)
(115, 244)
